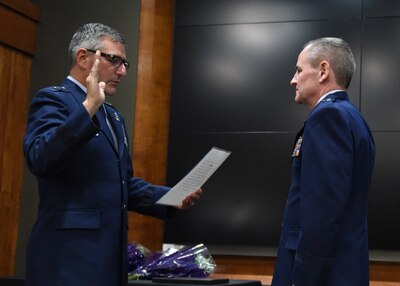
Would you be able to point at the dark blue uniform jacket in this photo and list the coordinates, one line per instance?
(86, 185)
(324, 240)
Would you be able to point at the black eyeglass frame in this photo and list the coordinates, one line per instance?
(116, 61)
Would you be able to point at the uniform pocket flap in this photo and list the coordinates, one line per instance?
(78, 219)
(292, 241)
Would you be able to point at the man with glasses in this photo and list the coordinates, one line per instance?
(76, 146)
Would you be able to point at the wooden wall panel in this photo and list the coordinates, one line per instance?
(18, 22)
(18, 19)
(150, 135)
(262, 268)
(385, 271)
(23, 7)
(14, 81)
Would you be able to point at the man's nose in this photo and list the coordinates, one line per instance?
(121, 70)
(293, 81)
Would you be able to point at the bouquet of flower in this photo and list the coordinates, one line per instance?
(174, 262)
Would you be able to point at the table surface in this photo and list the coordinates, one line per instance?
(231, 282)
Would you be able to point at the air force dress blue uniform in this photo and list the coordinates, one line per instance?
(324, 239)
(86, 185)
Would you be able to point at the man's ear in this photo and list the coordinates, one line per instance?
(324, 71)
(82, 59)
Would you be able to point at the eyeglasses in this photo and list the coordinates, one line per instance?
(116, 61)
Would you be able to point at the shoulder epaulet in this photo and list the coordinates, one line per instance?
(59, 88)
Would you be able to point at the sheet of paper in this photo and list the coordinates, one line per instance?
(196, 177)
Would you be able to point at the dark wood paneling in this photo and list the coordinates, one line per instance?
(14, 81)
(25, 7)
(262, 268)
(384, 271)
(152, 110)
(18, 22)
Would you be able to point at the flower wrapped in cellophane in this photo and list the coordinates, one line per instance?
(177, 261)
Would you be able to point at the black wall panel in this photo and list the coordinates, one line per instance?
(233, 61)
(380, 73)
(239, 74)
(212, 12)
(384, 199)
(381, 8)
(252, 182)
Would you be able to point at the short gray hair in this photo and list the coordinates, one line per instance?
(91, 36)
(335, 51)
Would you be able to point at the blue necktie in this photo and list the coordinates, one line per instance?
(107, 128)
